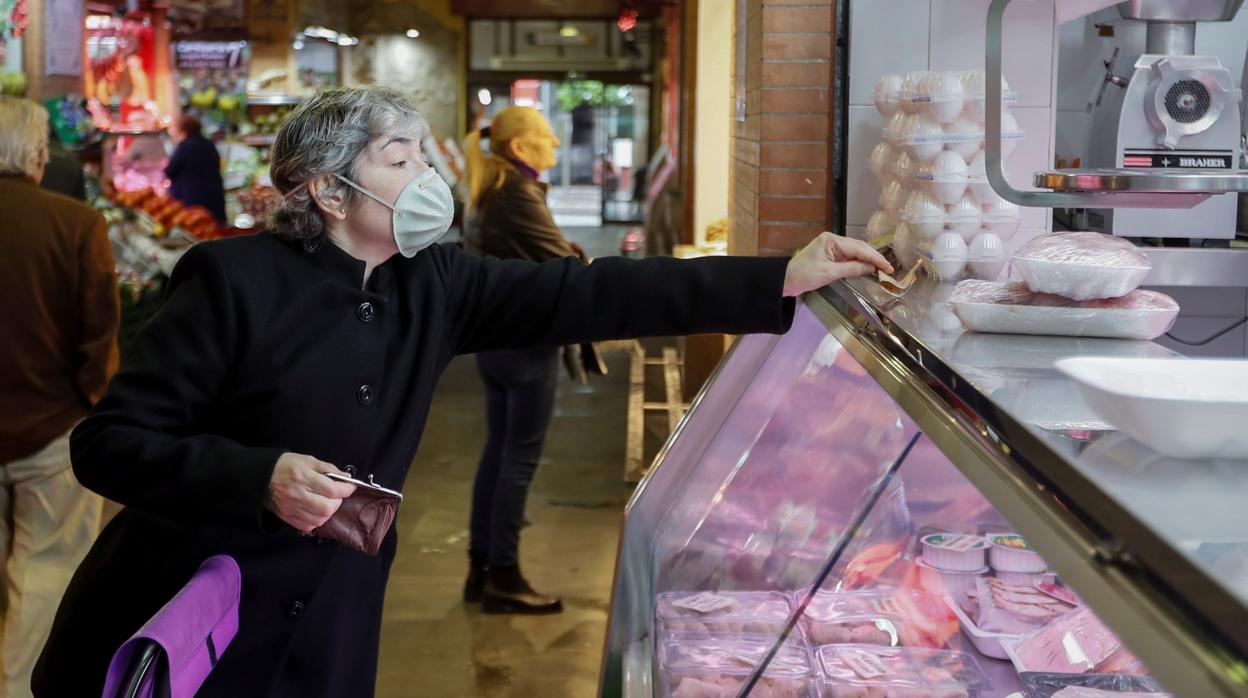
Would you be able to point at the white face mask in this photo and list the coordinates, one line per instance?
(422, 213)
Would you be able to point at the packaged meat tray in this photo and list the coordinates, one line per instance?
(1081, 266)
(1041, 685)
(988, 643)
(764, 612)
(1010, 308)
(1014, 610)
(698, 665)
(1074, 643)
(889, 619)
(868, 671)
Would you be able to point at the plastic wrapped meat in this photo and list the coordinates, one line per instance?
(886, 617)
(697, 665)
(1081, 266)
(1004, 608)
(865, 671)
(1010, 308)
(1075, 643)
(735, 612)
(1039, 685)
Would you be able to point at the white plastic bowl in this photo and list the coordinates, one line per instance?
(1183, 408)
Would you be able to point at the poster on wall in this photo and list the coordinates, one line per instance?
(62, 55)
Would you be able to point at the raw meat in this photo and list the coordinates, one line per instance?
(864, 671)
(733, 612)
(1075, 643)
(879, 617)
(1005, 608)
(698, 665)
(1005, 293)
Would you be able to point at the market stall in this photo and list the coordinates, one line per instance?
(879, 502)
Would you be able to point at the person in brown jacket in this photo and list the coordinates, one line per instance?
(508, 218)
(59, 316)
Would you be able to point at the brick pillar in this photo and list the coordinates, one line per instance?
(780, 160)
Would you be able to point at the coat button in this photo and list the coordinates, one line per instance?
(365, 312)
(364, 395)
(296, 609)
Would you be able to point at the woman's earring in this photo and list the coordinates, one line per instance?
(342, 210)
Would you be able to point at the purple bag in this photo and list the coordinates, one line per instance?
(173, 653)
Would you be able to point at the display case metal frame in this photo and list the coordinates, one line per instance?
(1189, 631)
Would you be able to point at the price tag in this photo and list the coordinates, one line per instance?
(704, 603)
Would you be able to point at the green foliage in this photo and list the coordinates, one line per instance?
(576, 93)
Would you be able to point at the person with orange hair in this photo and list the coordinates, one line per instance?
(508, 218)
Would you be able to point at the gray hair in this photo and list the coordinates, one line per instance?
(325, 136)
(23, 137)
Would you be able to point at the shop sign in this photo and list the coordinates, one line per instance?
(214, 55)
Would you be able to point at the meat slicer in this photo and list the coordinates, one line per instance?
(1172, 139)
(1175, 113)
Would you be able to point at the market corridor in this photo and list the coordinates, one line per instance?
(432, 644)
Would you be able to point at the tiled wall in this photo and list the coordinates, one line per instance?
(780, 152)
(897, 36)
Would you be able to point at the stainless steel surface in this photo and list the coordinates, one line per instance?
(1180, 10)
(1145, 181)
(1200, 268)
(1186, 96)
(1144, 539)
(1073, 198)
(1171, 38)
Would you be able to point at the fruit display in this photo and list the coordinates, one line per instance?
(168, 213)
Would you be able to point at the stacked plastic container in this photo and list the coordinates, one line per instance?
(935, 198)
(1075, 284)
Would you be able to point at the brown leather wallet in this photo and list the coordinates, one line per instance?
(363, 520)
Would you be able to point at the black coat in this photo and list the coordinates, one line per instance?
(263, 348)
(194, 172)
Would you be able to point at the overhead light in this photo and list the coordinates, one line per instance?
(413, 34)
(484, 97)
(297, 45)
(569, 32)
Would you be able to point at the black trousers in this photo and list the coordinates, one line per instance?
(520, 399)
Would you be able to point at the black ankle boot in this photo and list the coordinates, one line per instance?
(506, 591)
(474, 587)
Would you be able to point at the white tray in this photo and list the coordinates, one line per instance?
(1111, 323)
(988, 644)
(1184, 408)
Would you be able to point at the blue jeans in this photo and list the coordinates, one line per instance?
(520, 399)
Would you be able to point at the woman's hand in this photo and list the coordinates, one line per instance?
(301, 495)
(831, 258)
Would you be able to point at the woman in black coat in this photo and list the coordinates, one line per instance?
(194, 169)
(315, 348)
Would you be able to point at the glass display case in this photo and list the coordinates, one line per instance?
(875, 504)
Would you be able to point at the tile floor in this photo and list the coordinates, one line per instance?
(432, 644)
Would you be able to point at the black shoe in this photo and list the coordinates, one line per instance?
(474, 587)
(506, 591)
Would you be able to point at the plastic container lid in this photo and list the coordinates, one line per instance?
(905, 169)
(893, 197)
(925, 211)
(964, 136)
(740, 654)
(888, 94)
(881, 162)
(880, 224)
(924, 138)
(909, 91)
(945, 177)
(965, 217)
(899, 667)
(895, 129)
